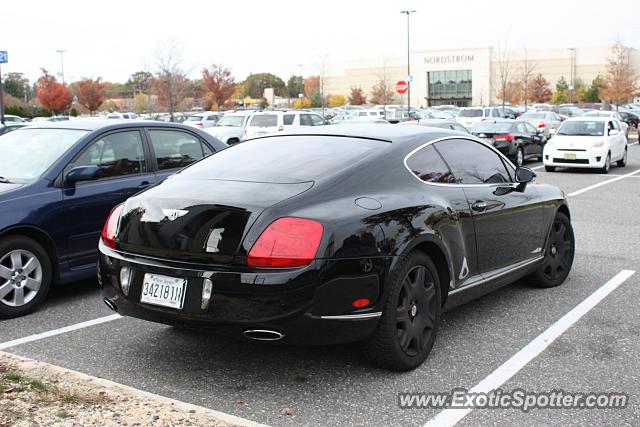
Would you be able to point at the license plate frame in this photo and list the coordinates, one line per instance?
(163, 291)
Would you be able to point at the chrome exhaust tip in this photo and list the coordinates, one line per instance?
(263, 335)
(110, 304)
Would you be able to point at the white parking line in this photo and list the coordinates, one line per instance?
(451, 416)
(54, 332)
(537, 167)
(600, 184)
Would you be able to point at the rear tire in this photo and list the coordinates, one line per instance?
(623, 161)
(550, 168)
(25, 276)
(519, 160)
(558, 255)
(411, 316)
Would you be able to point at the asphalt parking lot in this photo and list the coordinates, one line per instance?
(336, 386)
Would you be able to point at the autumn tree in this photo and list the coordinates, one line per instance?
(218, 84)
(90, 94)
(621, 80)
(513, 92)
(503, 74)
(142, 103)
(381, 93)
(140, 81)
(527, 68)
(311, 86)
(336, 100)
(170, 82)
(357, 97)
(539, 89)
(52, 95)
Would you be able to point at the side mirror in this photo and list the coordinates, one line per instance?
(83, 173)
(613, 132)
(552, 132)
(524, 175)
(540, 131)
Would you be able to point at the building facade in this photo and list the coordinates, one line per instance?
(466, 77)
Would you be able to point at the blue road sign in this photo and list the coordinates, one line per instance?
(4, 58)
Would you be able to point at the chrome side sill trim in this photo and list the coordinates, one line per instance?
(353, 316)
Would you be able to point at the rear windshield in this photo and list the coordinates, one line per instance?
(264, 120)
(470, 113)
(283, 159)
(488, 127)
(582, 128)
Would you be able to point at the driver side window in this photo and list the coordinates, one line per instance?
(473, 162)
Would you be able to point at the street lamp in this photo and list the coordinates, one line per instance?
(408, 12)
(61, 52)
(573, 67)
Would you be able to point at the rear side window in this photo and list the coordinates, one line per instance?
(472, 162)
(175, 149)
(116, 154)
(287, 119)
(475, 112)
(427, 165)
(316, 120)
(264, 121)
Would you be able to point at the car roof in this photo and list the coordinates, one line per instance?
(91, 125)
(587, 119)
(380, 132)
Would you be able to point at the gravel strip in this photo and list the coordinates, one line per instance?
(34, 393)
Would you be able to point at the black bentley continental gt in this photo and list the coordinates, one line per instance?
(345, 233)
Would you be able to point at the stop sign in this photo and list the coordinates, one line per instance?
(402, 87)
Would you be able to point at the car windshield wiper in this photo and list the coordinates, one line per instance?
(5, 180)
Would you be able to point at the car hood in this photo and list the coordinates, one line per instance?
(6, 188)
(574, 141)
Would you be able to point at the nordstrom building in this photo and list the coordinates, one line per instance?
(466, 77)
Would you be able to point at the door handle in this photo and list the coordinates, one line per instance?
(143, 184)
(479, 206)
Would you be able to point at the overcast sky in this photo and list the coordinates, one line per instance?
(112, 39)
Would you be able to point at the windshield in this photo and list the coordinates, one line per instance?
(582, 128)
(194, 118)
(232, 121)
(28, 153)
(283, 159)
(491, 127)
(476, 112)
(533, 116)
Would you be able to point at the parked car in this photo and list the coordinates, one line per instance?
(372, 114)
(203, 120)
(230, 128)
(469, 116)
(60, 181)
(545, 120)
(568, 111)
(611, 115)
(270, 122)
(630, 118)
(333, 235)
(518, 140)
(439, 123)
(587, 142)
(10, 119)
(122, 116)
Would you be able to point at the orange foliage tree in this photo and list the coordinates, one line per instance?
(52, 95)
(219, 85)
(90, 94)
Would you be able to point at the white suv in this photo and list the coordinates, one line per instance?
(269, 122)
(230, 128)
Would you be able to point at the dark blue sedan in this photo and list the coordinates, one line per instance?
(58, 183)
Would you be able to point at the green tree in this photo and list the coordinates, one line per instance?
(15, 84)
(140, 81)
(255, 84)
(592, 94)
(295, 86)
(562, 87)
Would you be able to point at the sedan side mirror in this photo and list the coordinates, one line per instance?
(541, 131)
(552, 132)
(524, 175)
(613, 132)
(83, 173)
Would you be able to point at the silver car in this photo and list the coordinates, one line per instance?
(546, 120)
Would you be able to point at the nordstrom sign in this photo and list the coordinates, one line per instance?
(447, 59)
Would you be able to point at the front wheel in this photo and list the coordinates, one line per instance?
(25, 276)
(558, 255)
(519, 157)
(607, 164)
(410, 318)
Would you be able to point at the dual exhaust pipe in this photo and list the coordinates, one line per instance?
(253, 334)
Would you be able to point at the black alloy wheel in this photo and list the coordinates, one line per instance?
(559, 253)
(410, 319)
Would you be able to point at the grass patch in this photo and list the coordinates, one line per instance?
(38, 386)
(13, 376)
(70, 398)
(63, 414)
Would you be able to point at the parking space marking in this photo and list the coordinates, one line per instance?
(537, 167)
(451, 416)
(35, 337)
(600, 184)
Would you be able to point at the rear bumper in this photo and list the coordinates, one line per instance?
(311, 305)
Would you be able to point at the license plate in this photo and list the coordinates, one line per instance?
(163, 290)
(569, 156)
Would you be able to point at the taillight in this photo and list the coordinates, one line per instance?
(504, 138)
(198, 124)
(110, 229)
(287, 242)
(541, 125)
(280, 128)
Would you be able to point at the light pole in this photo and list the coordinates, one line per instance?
(61, 52)
(301, 87)
(408, 12)
(573, 66)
